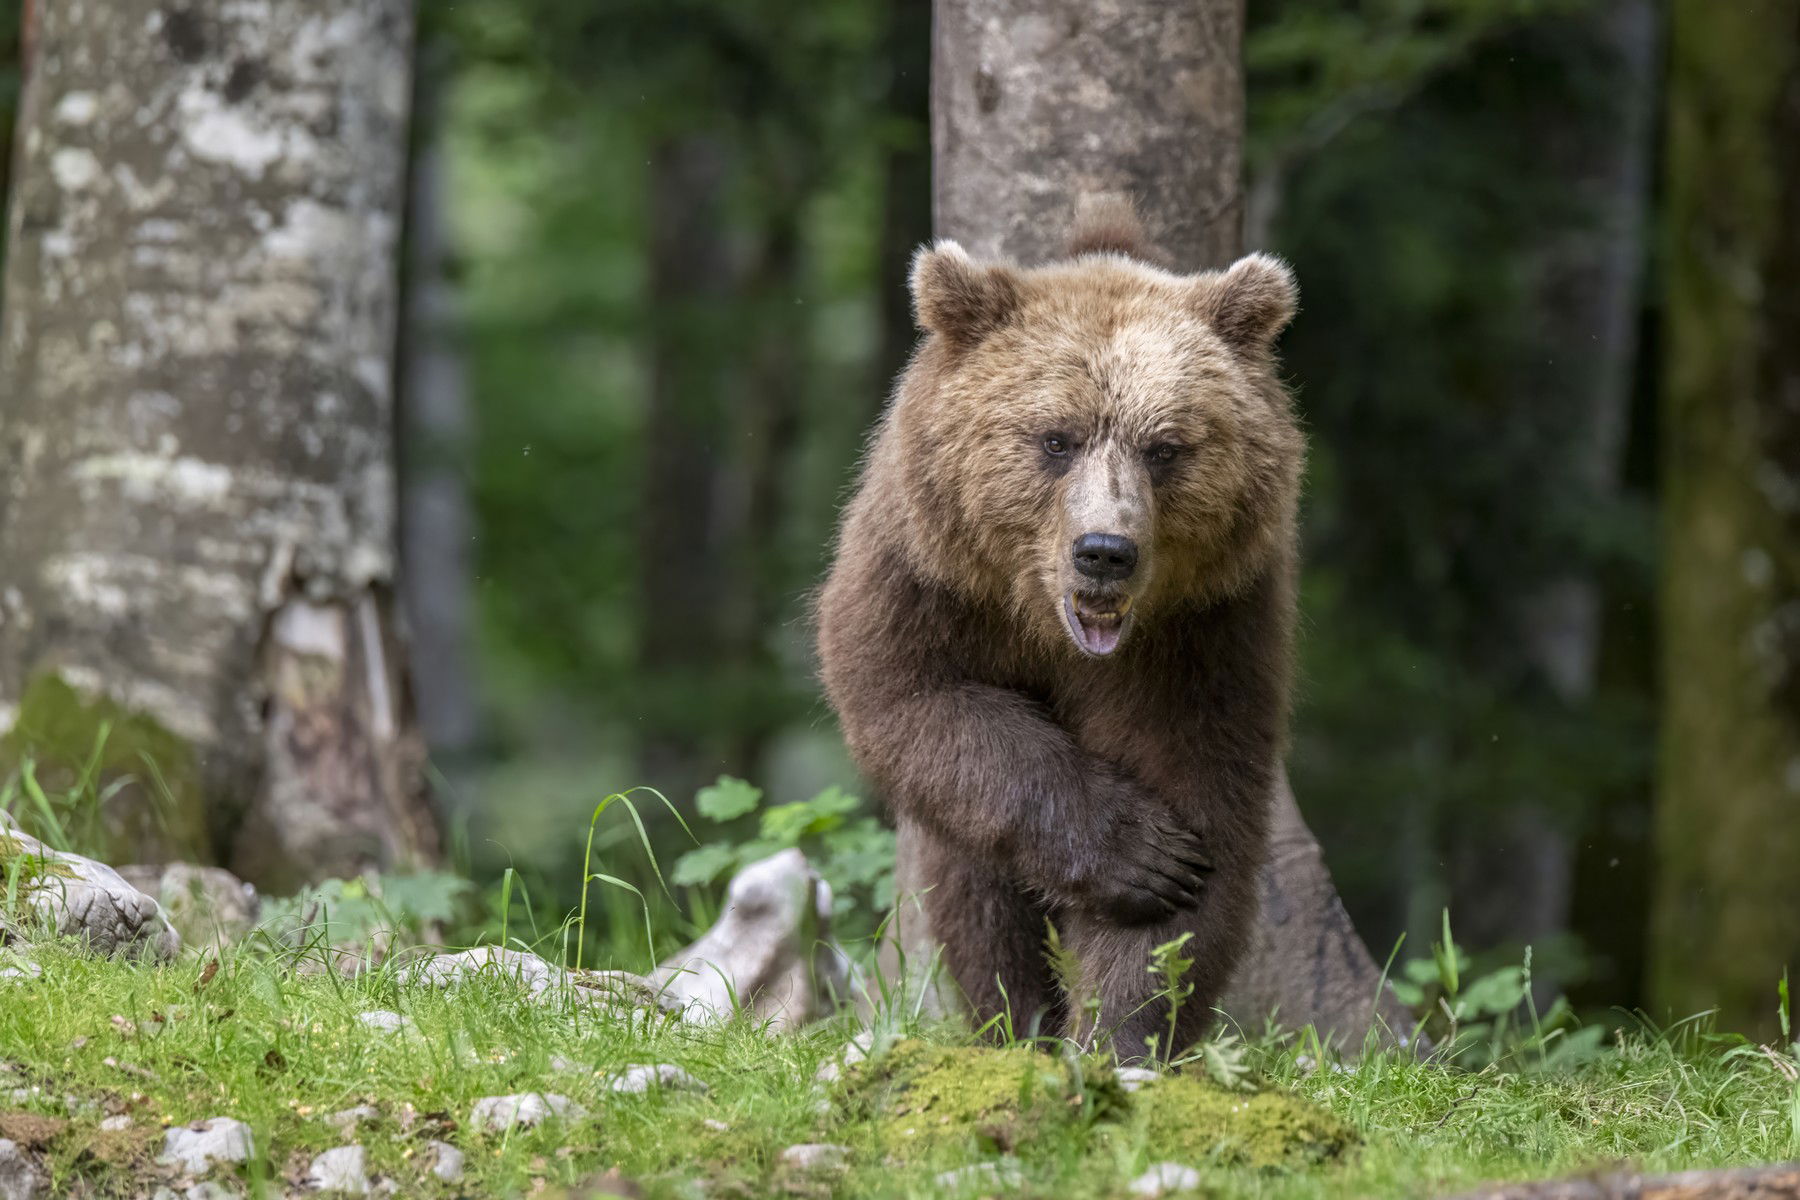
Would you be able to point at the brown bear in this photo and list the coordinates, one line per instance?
(1057, 629)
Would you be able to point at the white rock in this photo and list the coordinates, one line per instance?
(771, 952)
(17, 1180)
(542, 980)
(350, 1118)
(83, 899)
(1004, 1173)
(196, 1147)
(563, 1063)
(855, 1051)
(716, 1125)
(1133, 1078)
(639, 1078)
(115, 1124)
(815, 1156)
(343, 1170)
(385, 1021)
(447, 1161)
(497, 1114)
(1165, 1179)
(208, 906)
(17, 966)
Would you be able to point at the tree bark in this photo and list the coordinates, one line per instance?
(1727, 917)
(196, 450)
(434, 448)
(1035, 106)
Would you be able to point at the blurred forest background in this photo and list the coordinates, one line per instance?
(655, 278)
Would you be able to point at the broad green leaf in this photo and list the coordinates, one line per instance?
(727, 799)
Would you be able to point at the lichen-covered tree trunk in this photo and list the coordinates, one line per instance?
(1037, 104)
(1727, 917)
(196, 482)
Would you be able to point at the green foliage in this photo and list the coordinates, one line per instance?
(1170, 967)
(388, 910)
(854, 854)
(1477, 1019)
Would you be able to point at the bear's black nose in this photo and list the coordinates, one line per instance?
(1105, 556)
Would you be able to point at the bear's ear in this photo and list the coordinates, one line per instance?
(959, 298)
(1250, 303)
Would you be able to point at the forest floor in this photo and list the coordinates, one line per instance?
(148, 1049)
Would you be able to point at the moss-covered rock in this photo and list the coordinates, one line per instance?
(928, 1098)
(1190, 1119)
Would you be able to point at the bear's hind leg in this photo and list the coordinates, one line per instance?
(991, 932)
(1133, 1009)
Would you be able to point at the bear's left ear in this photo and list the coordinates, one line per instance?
(959, 298)
(1250, 303)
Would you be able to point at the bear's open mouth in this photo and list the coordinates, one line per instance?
(1097, 624)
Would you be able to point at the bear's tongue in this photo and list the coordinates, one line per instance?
(1097, 632)
(1099, 637)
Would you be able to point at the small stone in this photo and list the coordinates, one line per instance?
(1165, 1179)
(1004, 1173)
(639, 1078)
(115, 1124)
(1133, 1078)
(716, 1125)
(17, 1180)
(497, 1114)
(386, 1022)
(815, 1156)
(447, 1161)
(561, 1062)
(343, 1170)
(350, 1118)
(196, 1147)
(209, 1191)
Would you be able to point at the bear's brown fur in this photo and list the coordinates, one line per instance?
(1094, 752)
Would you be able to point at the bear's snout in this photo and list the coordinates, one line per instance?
(1107, 557)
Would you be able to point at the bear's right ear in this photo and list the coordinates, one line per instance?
(959, 298)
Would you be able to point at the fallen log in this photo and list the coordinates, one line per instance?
(1779, 1182)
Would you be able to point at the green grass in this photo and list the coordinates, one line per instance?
(281, 1050)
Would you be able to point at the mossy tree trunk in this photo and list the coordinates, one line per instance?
(1036, 104)
(196, 451)
(1727, 918)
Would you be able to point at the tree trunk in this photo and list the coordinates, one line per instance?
(1036, 105)
(1517, 871)
(14, 18)
(906, 187)
(1727, 919)
(196, 452)
(436, 524)
(682, 546)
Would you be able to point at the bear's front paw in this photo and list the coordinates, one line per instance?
(1153, 870)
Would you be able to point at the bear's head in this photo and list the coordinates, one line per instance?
(1097, 440)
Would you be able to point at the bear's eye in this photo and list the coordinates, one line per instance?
(1056, 444)
(1162, 452)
